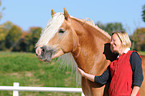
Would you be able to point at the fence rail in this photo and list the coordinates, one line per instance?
(16, 88)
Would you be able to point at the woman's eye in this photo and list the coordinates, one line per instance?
(61, 30)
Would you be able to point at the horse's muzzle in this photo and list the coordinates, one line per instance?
(47, 53)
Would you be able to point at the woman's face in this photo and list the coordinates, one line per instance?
(115, 43)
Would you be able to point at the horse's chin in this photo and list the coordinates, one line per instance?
(46, 59)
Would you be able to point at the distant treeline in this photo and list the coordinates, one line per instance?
(13, 38)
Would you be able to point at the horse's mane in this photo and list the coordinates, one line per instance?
(91, 24)
(88, 20)
(51, 28)
(67, 61)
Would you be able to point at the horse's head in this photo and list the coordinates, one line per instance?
(57, 38)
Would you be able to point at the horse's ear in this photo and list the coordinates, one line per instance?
(52, 12)
(66, 15)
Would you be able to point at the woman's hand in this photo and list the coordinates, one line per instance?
(81, 72)
(86, 75)
(135, 90)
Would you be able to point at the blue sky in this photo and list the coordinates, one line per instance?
(29, 13)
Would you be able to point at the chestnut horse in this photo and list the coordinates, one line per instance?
(88, 44)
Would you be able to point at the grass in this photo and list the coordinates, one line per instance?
(28, 70)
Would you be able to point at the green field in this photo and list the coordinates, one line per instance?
(28, 70)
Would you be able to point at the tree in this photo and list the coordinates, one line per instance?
(1, 29)
(138, 39)
(32, 38)
(13, 36)
(2, 9)
(111, 27)
(143, 13)
(4, 29)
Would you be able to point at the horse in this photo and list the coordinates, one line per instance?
(88, 44)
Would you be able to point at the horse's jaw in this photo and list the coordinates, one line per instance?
(59, 53)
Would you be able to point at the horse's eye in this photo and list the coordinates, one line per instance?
(61, 30)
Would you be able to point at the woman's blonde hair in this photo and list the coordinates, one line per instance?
(124, 38)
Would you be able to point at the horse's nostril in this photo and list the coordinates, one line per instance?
(43, 50)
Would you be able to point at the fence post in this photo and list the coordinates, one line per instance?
(16, 92)
(82, 94)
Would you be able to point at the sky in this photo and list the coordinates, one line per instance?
(36, 13)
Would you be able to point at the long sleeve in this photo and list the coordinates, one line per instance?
(104, 78)
(136, 64)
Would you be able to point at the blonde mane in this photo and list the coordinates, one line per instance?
(91, 23)
(67, 61)
(88, 20)
(51, 28)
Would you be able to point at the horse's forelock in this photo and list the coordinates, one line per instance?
(51, 28)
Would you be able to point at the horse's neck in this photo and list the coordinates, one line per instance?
(89, 53)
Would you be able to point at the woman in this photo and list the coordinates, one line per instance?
(125, 73)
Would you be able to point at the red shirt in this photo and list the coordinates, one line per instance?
(121, 73)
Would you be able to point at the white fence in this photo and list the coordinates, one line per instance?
(16, 88)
